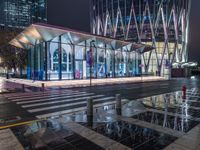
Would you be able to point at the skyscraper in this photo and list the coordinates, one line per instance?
(21, 13)
(15, 15)
(162, 24)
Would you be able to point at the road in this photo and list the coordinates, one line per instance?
(140, 90)
(28, 106)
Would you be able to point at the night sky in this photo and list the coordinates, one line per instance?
(75, 14)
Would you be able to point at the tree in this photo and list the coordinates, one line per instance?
(11, 57)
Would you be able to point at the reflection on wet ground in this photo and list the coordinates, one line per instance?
(173, 102)
(133, 136)
(150, 123)
(45, 135)
(53, 134)
(168, 121)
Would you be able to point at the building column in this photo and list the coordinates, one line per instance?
(114, 64)
(105, 61)
(96, 62)
(34, 61)
(137, 64)
(60, 58)
(45, 60)
(85, 51)
(73, 62)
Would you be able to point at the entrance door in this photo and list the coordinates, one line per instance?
(78, 69)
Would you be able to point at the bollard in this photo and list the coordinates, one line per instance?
(118, 101)
(90, 107)
(23, 88)
(118, 104)
(184, 91)
(43, 87)
(90, 112)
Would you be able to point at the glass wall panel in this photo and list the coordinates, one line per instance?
(29, 64)
(41, 59)
(109, 63)
(79, 52)
(120, 66)
(67, 61)
(53, 61)
(101, 72)
(131, 64)
(138, 64)
(124, 63)
(35, 69)
(79, 69)
(91, 58)
(79, 59)
(76, 61)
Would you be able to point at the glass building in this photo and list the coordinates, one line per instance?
(56, 53)
(162, 24)
(22, 13)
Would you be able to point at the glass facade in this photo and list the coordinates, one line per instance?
(162, 24)
(57, 53)
(57, 59)
(21, 13)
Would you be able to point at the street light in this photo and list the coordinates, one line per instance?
(90, 60)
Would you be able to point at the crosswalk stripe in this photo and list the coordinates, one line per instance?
(60, 101)
(54, 98)
(66, 105)
(10, 95)
(48, 96)
(63, 112)
(39, 95)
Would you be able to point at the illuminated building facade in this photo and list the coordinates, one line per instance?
(162, 24)
(22, 13)
(56, 53)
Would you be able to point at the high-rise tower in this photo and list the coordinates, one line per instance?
(162, 24)
(21, 13)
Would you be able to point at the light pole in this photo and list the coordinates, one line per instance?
(90, 61)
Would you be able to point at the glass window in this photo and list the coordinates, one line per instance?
(101, 63)
(55, 60)
(67, 62)
(79, 52)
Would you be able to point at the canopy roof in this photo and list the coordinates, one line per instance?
(37, 33)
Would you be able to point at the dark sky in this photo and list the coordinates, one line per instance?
(75, 14)
(69, 13)
(194, 33)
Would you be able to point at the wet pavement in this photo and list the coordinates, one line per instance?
(44, 135)
(173, 122)
(7, 86)
(145, 123)
(11, 113)
(133, 136)
(162, 121)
